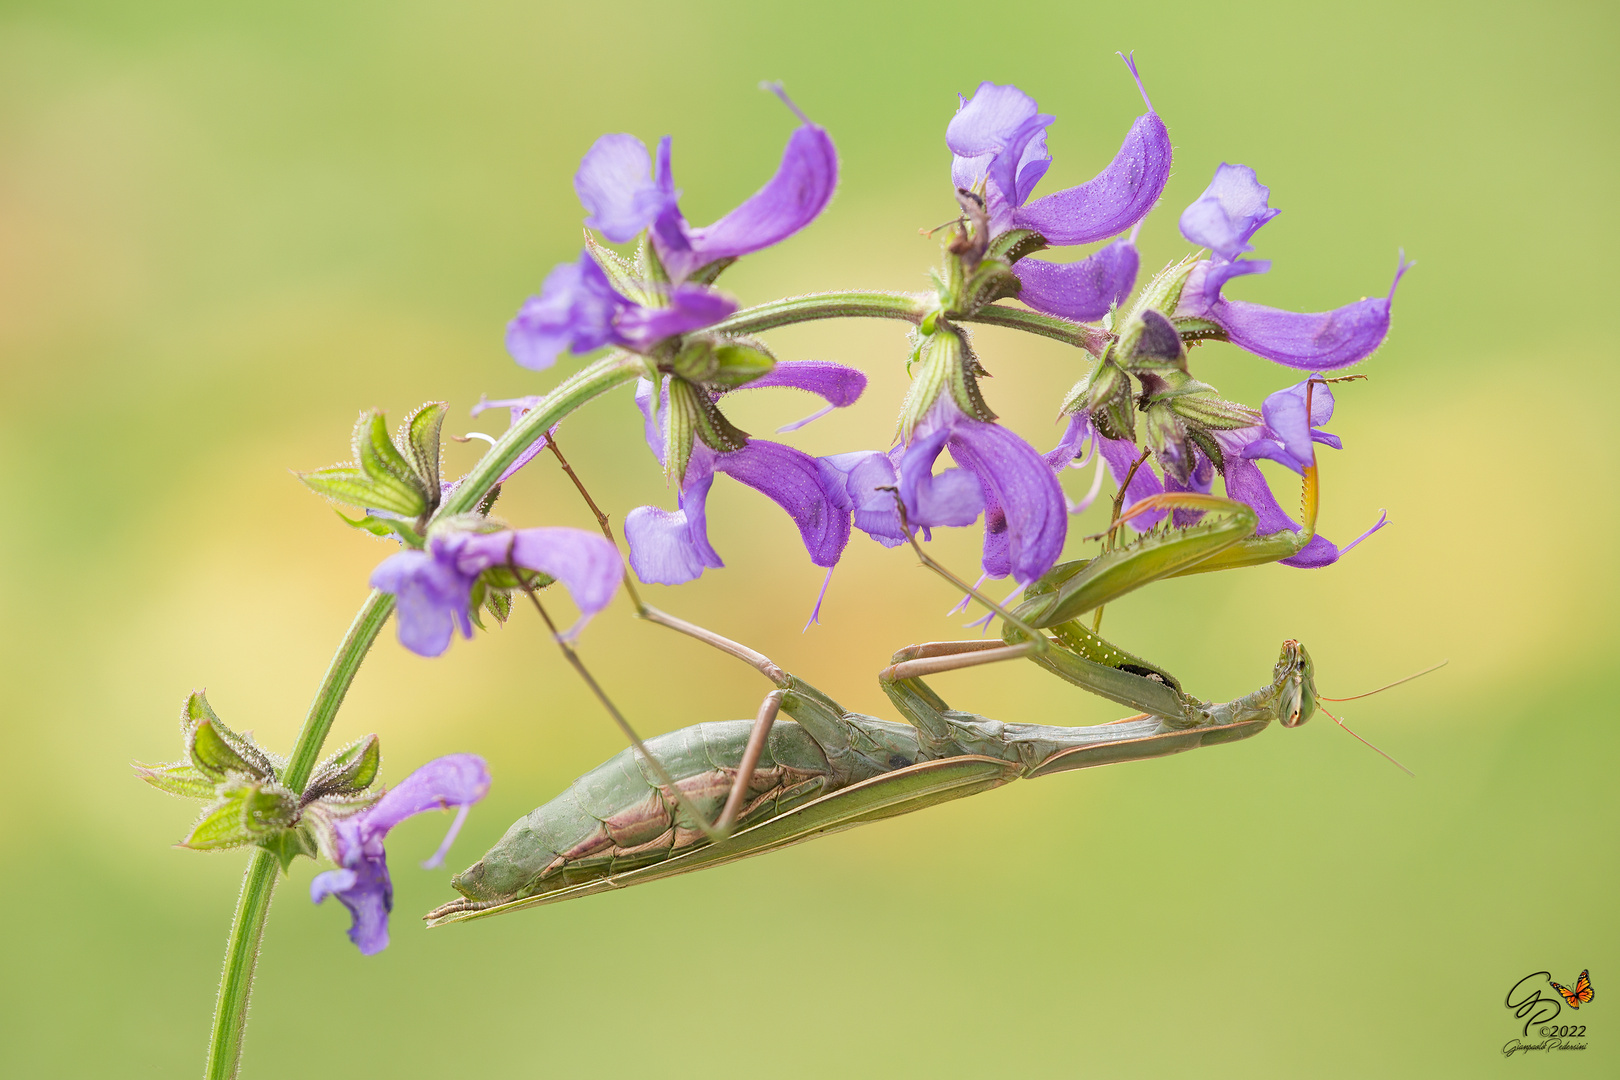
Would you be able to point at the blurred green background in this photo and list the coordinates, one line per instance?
(226, 228)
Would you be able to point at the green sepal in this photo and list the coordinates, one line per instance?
(1194, 330)
(652, 271)
(421, 437)
(1199, 404)
(216, 758)
(499, 604)
(386, 467)
(384, 527)
(177, 778)
(288, 844)
(705, 274)
(992, 281)
(1014, 244)
(716, 431)
(696, 362)
(194, 710)
(1163, 293)
(1109, 402)
(932, 372)
(1166, 436)
(346, 484)
(502, 578)
(684, 416)
(1211, 448)
(347, 772)
(621, 272)
(244, 814)
(741, 361)
(964, 383)
(1149, 342)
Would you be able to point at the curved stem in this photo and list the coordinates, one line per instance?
(241, 956)
(252, 907)
(910, 307)
(1090, 338)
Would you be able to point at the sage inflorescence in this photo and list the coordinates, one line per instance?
(1138, 415)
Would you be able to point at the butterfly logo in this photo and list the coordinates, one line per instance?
(1580, 995)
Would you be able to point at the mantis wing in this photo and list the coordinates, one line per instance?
(914, 787)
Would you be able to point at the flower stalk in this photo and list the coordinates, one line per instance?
(253, 906)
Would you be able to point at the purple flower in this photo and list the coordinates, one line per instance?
(1223, 219)
(434, 587)
(362, 882)
(625, 192)
(1119, 454)
(998, 139)
(1025, 517)
(672, 547)
(579, 310)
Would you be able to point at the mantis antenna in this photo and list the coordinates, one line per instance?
(1386, 686)
(1364, 742)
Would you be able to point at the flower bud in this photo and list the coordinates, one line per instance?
(1167, 438)
(1149, 341)
(1109, 402)
(347, 772)
(398, 476)
(739, 362)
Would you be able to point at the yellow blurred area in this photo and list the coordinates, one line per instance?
(225, 231)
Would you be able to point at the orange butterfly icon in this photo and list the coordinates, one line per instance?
(1578, 996)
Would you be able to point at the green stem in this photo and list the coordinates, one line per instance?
(252, 907)
(910, 307)
(1090, 338)
(241, 956)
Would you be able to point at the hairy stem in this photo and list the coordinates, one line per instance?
(241, 957)
(242, 950)
(911, 307)
(1090, 338)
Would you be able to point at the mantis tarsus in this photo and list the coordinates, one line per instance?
(826, 769)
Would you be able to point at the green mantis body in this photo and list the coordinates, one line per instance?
(826, 769)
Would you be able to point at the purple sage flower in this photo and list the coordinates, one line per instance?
(1025, 516)
(434, 587)
(626, 192)
(998, 139)
(1223, 219)
(672, 547)
(579, 310)
(361, 882)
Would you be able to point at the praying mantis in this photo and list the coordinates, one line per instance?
(769, 784)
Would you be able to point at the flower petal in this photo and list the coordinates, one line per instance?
(587, 564)
(662, 548)
(452, 780)
(790, 200)
(1114, 199)
(691, 307)
(866, 479)
(953, 497)
(574, 311)
(431, 597)
(792, 479)
(368, 894)
(1026, 518)
(1229, 212)
(1284, 413)
(1083, 290)
(1320, 341)
(615, 184)
(839, 384)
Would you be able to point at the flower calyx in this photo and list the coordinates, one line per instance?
(943, 361)
(396, 481)
(245, 801)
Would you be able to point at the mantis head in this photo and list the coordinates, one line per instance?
(1295, 680)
